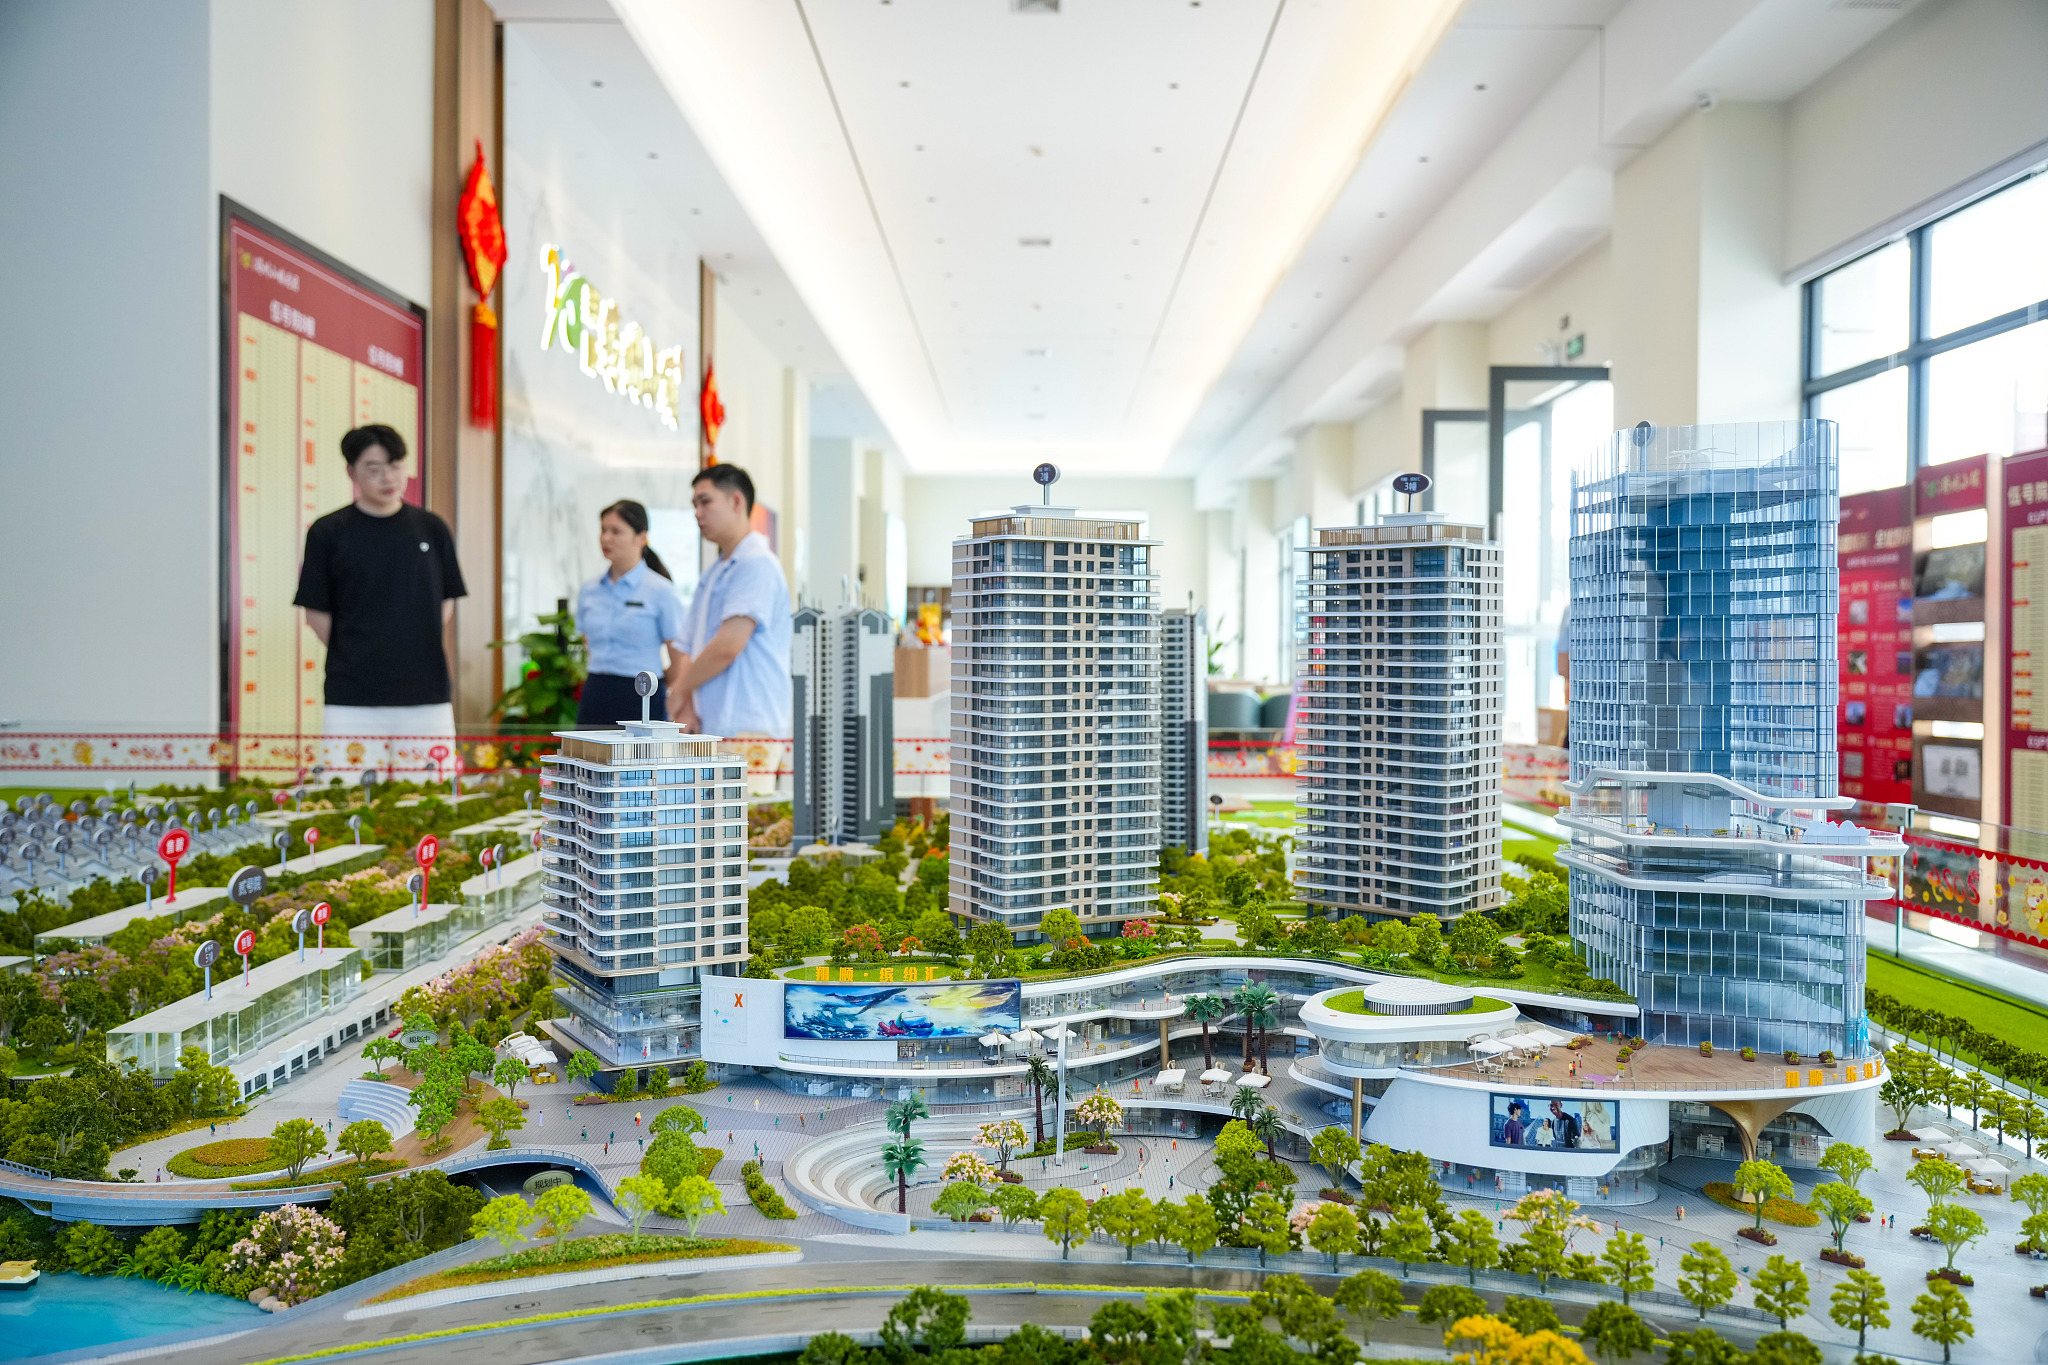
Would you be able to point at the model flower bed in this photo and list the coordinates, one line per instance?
(330, 1175)
(1847, 1258)
(1769, 1239)
(224, 1159)
(766, 1198)
(1954, 1277)
(582, 1253)
(1776, 1210)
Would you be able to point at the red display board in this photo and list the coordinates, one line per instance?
(309, 349)
(1874, 718)
(2022, 535)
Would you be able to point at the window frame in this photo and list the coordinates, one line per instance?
(1920, 348)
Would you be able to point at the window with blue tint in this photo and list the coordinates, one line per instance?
(1026, 556)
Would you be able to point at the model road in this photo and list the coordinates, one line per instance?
(693, 1331)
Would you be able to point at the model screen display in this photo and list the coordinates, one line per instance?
(1544, 1123)
(874, 1013)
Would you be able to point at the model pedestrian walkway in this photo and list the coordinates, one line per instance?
(199, 901)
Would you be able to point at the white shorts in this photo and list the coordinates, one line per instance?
(379, 722)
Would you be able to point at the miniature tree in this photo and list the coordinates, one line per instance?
(1841, 1204)
(363, 1139)
(1265, 1226)
(639, 1196)
(1782, 1289)
(1548, 1221)
(1043, 1078)
(1529, 1316)
(381, 1049)
(1369, 1296)
(1409, 1238)
(1616, 1332)
(1761, 1181)
(1126, 1217)
(295, 1249)
(960, 1201)
(500, 1116)
(1334, 1149)
(1859, 1304)
(1101, 1113)
(1446, 1303)
(1206, 1010)
(1471, 1242)
(1848, 1162)
(1706, 1279)
(1014, 1202)
(693, 1199)
(504, 1220)
(968, 1167)
(1955, 1226)
(1942, 1315)
(1064, 1215)
(1195, 1227)
(678, 1118)
(507, 1074)
(2032, 1190)
(901, 1160)
(1333, 1230)
(1004, 1136)
(559, 1210)
(1629, 1263)
(295, 1142)
(1935, 1178)
(583, 1065)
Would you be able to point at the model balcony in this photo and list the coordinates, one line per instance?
(1758, 876)
(1657, 1068)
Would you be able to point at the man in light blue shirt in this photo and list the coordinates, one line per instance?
(735, 678)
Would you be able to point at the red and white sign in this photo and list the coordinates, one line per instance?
(175, 844)
(428, 850)
(312, 838)
(245, 942)
(321, 914)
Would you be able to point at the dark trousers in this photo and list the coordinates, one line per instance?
(609, 699)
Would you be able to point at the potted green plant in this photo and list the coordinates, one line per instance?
(1706, 1047)
(1791, 1056)
(1749, 1054)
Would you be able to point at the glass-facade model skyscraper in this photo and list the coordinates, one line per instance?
(1397, 712)
(644, 890)
(1056, 723)
(1706, 879)
(843, 696)
(1184, 729)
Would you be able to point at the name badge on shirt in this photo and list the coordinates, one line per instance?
(636, 604)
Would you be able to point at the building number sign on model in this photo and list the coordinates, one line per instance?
(587, 325)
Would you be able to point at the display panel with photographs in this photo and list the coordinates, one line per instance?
(1954, 670)
(1544, 1123)
(1953, 574)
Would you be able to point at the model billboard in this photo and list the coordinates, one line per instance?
(1547, 1124)
(939, 1009)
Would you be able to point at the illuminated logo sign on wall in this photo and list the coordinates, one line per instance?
(586, 324)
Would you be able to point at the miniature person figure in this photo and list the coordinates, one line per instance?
(734, 674)
(626, 614)
(378, 586)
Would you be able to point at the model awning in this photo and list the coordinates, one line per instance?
(1174, 1077)
(996, 1039)
(1254, 1080)
(1490, 1047)
(1215, 1075)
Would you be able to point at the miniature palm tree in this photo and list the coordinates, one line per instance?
(900, 1161)
(1206, 1010)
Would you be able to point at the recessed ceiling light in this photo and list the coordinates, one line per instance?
(696, 213)
(597, 85)
(1380, 215)
(1173, 85)
(904, 84)
(920, 146)
(654, 156)
(1480, 86)
(1158, 149)
(1034, 241)
(1423, 159)
(1347, 260)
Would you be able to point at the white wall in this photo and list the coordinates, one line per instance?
(570, 446)
(938, 508)
(107, 569)
(1950, 90)
(1573, 299)
(323, 120)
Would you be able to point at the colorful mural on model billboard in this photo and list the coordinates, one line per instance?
(1544, 1124)
(939, 1009)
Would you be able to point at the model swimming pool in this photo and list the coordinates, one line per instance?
(65, 1312)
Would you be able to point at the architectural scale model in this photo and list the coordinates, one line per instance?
(1706, 879)
(1056, 720)
(645, 893)
(1397, 709)
(843, 680)
(1184, 728)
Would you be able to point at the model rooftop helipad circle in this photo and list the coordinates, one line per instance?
(1415, 997)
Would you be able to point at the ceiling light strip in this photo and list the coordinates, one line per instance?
(1209, 196)
(860, 173)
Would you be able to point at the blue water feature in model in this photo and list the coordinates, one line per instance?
(66, 1312)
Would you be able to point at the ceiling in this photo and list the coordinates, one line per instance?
(1034, 234)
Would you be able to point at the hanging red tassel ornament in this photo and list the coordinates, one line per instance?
(482, 234)
(483, 367)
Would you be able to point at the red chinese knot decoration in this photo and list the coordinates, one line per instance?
(482, 233)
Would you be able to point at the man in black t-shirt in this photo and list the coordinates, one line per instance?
(378, 585)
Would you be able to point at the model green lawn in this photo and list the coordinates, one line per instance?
(1353, 1002)
(2017, 1022)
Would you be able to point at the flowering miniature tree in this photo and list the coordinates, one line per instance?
(1101, 1113)
(969, 1167)
(864, 941)
(910, 944)
(1548, 1222)
(1139, 928)
(294, 1249)
(1004, 1136)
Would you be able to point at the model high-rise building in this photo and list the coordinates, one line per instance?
(644, 887)
(1705, 877)
(1056, 773)
(1397, 707)
(842, 673)
(1184, 729)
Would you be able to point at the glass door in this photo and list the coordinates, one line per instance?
(1541, 422)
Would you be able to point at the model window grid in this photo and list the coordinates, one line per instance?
(1018, 634)
(1906, 343)
(1391, 829)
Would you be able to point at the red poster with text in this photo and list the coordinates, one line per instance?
(2022, 533)
(1874, 719)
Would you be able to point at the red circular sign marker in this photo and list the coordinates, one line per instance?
(322, 913)
(245, 942)
(175, 844)
(428, 850)
(312, 836)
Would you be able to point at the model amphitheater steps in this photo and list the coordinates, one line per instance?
(839, 1174)
(379, 1100)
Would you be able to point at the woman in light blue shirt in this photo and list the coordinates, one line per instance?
(626, 614)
